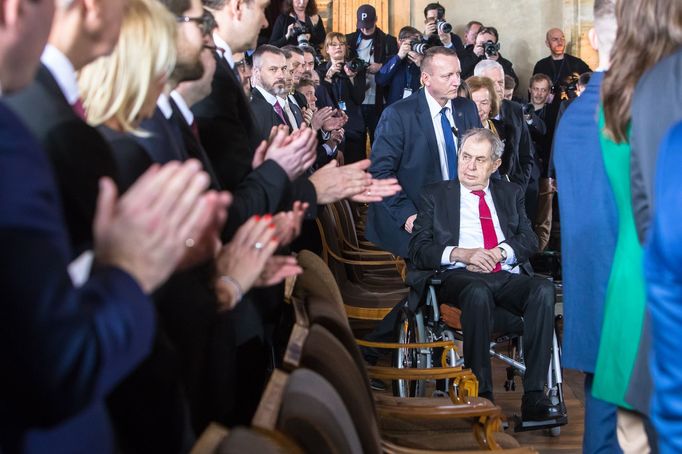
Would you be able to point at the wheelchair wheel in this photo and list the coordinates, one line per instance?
(407, 357)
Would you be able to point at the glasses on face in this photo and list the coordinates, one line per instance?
(206, 23)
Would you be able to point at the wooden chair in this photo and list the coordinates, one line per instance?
(360, 301)
(217, 439)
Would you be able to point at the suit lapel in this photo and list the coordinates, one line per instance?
(500, 207)
(451, 199)
(426, 124)
(47, 80)
(460, 125)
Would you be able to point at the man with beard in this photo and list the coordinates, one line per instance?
(269, 86)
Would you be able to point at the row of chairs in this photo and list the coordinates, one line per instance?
(320, 401)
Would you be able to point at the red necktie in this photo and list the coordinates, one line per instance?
(489, 235)
(79, 109)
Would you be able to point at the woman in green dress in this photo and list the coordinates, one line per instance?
(643, 38)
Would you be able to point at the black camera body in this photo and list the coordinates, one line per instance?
(418, 46)
(299, 29)
(357, 64)
(567, 88)
(303, 41)
(528, 108)
(491, 48)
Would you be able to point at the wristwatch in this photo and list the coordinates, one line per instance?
(504, 254)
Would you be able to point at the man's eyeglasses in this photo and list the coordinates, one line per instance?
(206, 22)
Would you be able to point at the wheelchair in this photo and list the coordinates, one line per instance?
(425, 326)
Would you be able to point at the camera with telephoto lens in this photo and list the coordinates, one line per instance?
(443, 26)
(303, 41)
(528, 109)
(491, 48)
(357, 64)
(419, 46)
(299, 29)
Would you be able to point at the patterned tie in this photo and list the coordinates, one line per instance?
(489, 235)
(79, 109)
(280, 112)
(290, 116)
(450, 148)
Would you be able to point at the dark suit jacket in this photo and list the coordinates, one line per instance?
(581, 176)
(77, 152)
(279, 31)
(457, 43)
(518, 157)
(229, 135)
(67, 347)
(405, 147)
(437, 226)
(351, 93)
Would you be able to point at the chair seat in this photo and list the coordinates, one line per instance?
(434, 408)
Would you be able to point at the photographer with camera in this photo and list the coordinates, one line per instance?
(438, 31)
(401, 74)
(560, 67)
(486, 47)
(370, 44)
(300, 26)
(345, 82)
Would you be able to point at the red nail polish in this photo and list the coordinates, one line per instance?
(272, 225)
(275, 239)
(267, 217)
(256, 217)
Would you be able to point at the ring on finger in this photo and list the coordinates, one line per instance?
(258, 245)
(189, 242)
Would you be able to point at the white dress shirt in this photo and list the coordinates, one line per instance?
(163, 103)
(223, 48)
(183, 107)
(62, 70)
(471, 232)
(270, 98)
(435, 109)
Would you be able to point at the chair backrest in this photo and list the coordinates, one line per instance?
(319, 297)
(244, 439)
(324, 354)
(330, 243)
(313, 415)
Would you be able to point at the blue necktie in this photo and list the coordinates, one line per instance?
(450, 149)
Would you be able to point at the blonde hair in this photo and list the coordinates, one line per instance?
(331, 36)
(475, 83)
(116, 86)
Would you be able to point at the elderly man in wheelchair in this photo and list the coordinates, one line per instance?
(474, 233)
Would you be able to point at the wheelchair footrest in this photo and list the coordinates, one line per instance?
(523, 426)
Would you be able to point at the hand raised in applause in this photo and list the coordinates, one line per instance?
(144, 232)
(240, 262)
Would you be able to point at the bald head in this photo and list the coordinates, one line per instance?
(556, 42)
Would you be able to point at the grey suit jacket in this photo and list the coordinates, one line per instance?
(656, 106)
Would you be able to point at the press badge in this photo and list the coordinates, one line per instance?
(342, 105)
(407, 92)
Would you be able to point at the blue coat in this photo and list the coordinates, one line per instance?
(63, 348)
(663, 256)
(405, 147)
(589, 226)
(398, 74)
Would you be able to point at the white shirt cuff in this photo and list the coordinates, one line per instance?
(326, 135)
(511, 256)
(445, 258)
(449, 46)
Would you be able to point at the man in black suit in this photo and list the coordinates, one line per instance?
(518, 158)
(477, 232)
(416, 142)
